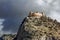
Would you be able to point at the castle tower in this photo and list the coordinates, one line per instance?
(30, 13)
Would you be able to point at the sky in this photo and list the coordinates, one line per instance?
(12, 12)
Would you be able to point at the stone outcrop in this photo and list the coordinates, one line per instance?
(8, 37)
(38, 28)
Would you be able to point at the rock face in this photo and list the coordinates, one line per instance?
(42, 28)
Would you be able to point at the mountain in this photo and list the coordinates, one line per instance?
(7, 37)
(37, 26)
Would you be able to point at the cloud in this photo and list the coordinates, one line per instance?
(12, 15)
(55, 15)
(52, 8)
(1, 23)
(40, 2)
(1, 26)
(14, 11)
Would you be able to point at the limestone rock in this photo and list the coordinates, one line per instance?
(42, 28)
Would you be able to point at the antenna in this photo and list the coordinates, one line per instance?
(43, 13)
(43, 10)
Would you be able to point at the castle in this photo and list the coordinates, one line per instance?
(36, 14)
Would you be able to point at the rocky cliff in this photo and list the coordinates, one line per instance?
(38, 28)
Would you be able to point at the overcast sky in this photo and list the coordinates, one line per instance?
(12, 12)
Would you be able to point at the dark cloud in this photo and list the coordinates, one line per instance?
(13, 11)
(12, 15)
